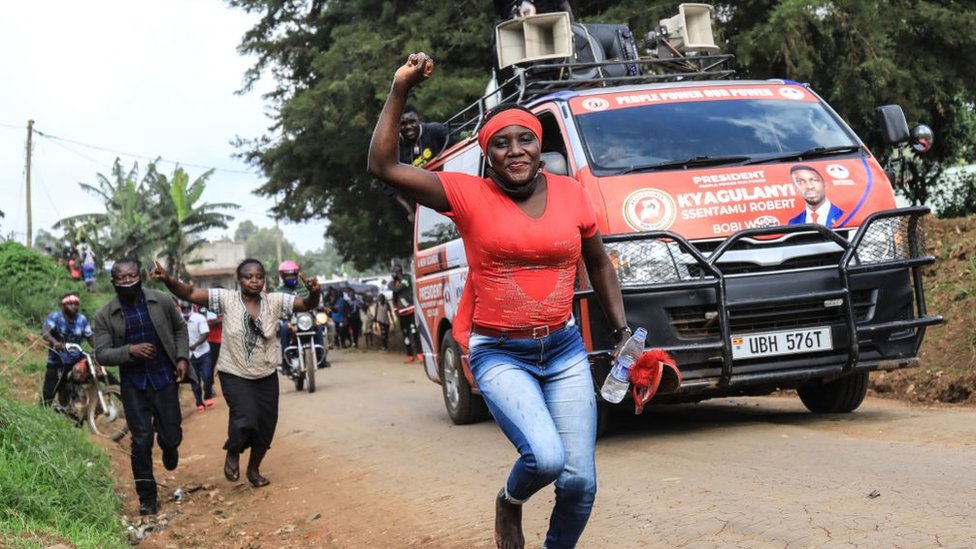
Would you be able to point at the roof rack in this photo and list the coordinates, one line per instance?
(541, 79)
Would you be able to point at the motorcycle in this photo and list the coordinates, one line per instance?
(94, 396)
(304, 355)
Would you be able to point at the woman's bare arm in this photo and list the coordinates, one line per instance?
(179, 288)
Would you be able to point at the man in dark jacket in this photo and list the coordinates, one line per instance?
(143, 332)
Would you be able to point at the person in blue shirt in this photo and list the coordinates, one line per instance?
(143, 332)
(60, 328)
(340, 316)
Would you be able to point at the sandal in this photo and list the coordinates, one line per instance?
(257, 480)
(232, 473)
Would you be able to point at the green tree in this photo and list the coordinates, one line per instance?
(858, 55)
(332, 62)
(128, 226)
(244, 230)
(183, 217)
(145, 215)
(262, 244)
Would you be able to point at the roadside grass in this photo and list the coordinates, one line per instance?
(55, 483)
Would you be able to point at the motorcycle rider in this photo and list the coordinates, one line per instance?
(62, 327)
(288, 273)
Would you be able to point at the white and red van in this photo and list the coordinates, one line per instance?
(701, 188)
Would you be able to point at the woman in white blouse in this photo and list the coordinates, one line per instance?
(249, 357)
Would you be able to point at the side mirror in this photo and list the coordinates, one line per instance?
(922, 139)
(894, 128)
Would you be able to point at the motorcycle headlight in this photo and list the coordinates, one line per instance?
(305, 322)
(321, 319)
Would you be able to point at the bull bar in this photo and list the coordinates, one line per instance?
(887, 240)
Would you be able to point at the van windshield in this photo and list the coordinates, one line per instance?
(662, 136)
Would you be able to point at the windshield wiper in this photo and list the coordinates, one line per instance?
(816, 152)
(695, 161)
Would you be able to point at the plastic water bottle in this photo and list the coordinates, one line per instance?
(615, 387)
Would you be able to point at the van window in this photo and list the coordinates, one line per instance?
(434, 229)
(467, 161)
(649, 134)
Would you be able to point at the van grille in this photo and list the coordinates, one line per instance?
(702, 322)
(745, 267)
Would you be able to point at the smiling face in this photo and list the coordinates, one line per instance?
(811, 187)
(410, 126)
(251, 279)
(513, 152)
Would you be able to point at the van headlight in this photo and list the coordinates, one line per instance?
(649, 261)
(885, 239)
(305, 322)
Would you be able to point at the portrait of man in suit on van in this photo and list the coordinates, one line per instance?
(818, 208)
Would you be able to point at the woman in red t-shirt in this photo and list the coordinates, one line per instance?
(524, 232)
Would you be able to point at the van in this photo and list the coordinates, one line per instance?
(755, 236)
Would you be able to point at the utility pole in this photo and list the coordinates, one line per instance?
(30, 226)
(278, 241)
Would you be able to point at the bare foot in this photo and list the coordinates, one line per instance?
(508, 524)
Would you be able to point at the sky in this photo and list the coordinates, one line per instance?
(134, 79)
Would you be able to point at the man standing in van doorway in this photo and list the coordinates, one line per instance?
(420, 142)
(810, 184)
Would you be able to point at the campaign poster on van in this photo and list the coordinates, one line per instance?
(716, 202)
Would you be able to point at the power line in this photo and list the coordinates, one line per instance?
(139, 156)
(86, 157)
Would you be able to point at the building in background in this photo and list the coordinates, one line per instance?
(215, 264)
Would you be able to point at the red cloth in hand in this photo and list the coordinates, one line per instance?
(646, 375)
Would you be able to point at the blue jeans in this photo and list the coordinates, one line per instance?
(204, 367)
(541, 393)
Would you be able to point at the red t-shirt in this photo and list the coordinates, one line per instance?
(216, 328)
(521, 269)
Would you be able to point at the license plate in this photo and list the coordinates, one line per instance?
(785, 342)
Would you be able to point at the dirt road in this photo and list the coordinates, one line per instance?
(373, 454)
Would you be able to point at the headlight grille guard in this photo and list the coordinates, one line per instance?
(890, 239)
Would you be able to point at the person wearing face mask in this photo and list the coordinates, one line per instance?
(288, 273)
(524, 231)
(142, 331)
(200, 358)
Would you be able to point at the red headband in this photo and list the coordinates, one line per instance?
(70, 299)
(510, 117)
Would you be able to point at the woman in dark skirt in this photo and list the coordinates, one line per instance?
(249, 357)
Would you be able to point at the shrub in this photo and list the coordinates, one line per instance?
(31, 284)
